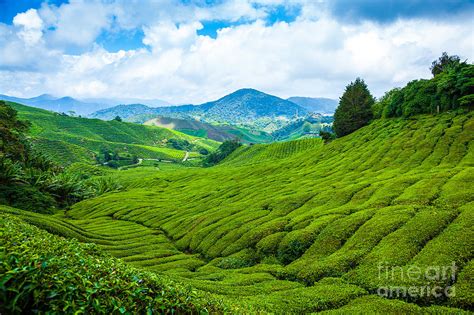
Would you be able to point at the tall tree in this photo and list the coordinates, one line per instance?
(12, 143)
(355, 108)
(445, 62)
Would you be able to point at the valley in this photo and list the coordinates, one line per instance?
(167, 167)
(73, 139)
(304, 236)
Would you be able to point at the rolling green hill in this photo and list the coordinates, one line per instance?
(73, 139)
(215, 132)
(269, 153)
(244, 107)
(301, 227)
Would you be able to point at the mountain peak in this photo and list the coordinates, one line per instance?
(247, 91)
(44, 97)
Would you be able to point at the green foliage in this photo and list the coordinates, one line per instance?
(295, 227)
(27, 197)
(42, 273)
(450, 89)
(179, 144)
(354, 110)
(30, 180)
(12, 144)
(327, 136)
(259, 153)
(304, 128)
(89, 138)
(272, 217)
(444, 63)
(117, 118)
(224, 150)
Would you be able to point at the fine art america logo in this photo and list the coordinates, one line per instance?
(426, 282)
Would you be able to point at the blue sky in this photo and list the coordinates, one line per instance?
(187, 51)
(132, 39)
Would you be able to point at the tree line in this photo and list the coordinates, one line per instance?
(451, 88)
(30, 180)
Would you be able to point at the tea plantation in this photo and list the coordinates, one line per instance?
(74, 139)
(295, 227)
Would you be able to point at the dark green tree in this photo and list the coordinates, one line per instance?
(444, 63)
(224, 150)
(118, 118)
(12, 140)
(355, 108)
(326, 136)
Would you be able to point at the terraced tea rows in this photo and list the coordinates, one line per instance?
(279, 150)
(79, 140)
(302, 227)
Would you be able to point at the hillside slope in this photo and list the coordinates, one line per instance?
(305, 232)
(80, 139)
(214, 132)
(242, 107)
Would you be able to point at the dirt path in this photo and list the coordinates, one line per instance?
(186, 156)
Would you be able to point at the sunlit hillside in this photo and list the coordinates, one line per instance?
(301, 226)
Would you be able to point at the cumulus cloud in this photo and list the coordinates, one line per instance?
(31, 26)
(315, 55)
(167, 35)
(75, 24)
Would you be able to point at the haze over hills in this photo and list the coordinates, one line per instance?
(80, 107)
(315, 104)
(61, 104)
(114, 101)
(242, 107)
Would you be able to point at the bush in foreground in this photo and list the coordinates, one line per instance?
(41, 272)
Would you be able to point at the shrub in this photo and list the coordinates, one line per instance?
(224, 150)
(40, 272)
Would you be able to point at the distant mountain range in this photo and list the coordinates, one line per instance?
(63, 104)
(315, 105)
(247, 107)
(80, 107)
(115, 101)
(244, 108)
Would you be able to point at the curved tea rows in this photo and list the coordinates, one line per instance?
(303, 232)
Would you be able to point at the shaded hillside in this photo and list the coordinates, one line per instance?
(315, 105)
(299, 229)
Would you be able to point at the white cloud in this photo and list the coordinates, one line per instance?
(167, 35)
(77, 23)
(316, 55)
(30, 25)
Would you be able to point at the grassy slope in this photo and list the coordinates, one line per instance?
(77, 139)
(217, 132)
(305, 231)
(270, 152)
